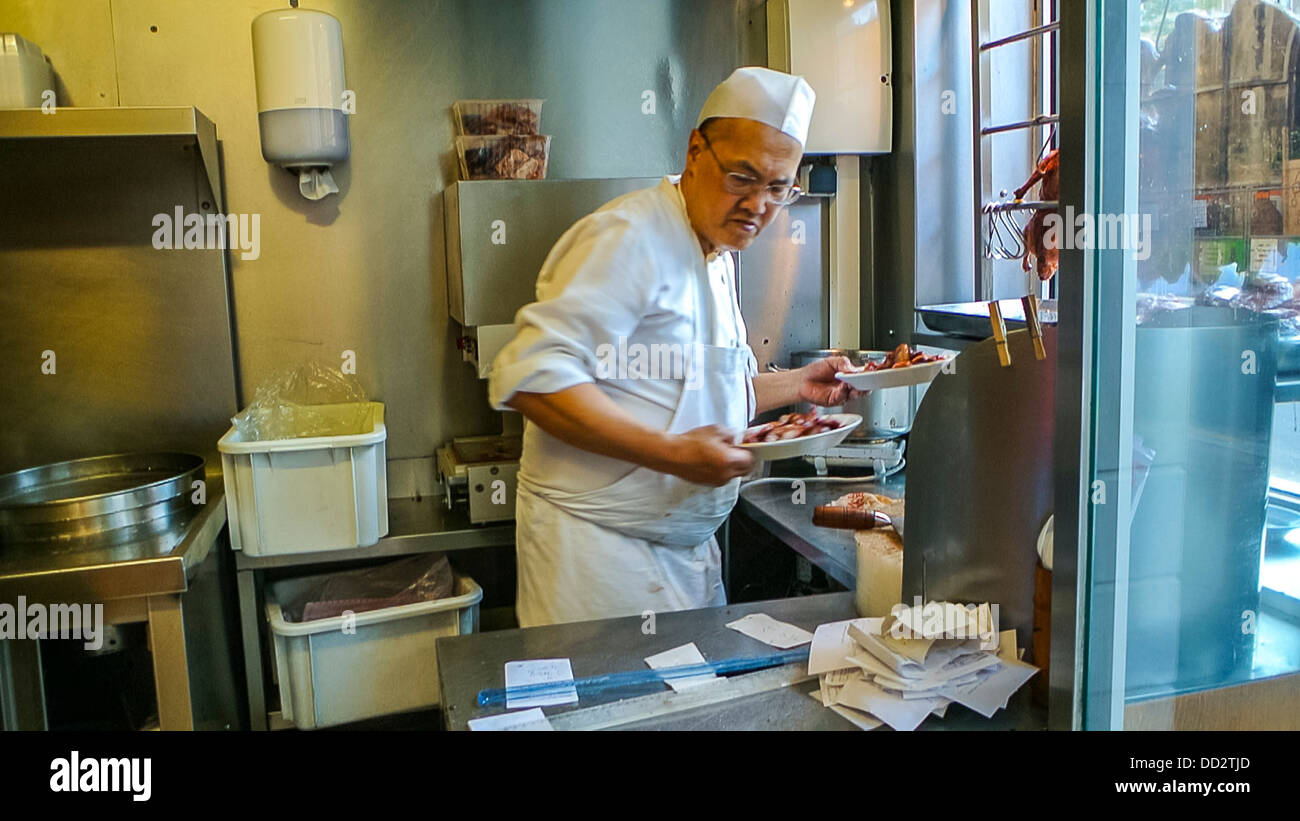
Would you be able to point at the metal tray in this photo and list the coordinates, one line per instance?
(86, 498)
(971, 319)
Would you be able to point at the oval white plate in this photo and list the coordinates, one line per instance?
(805, 445)
(893, 377)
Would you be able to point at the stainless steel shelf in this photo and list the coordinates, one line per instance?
(183, 122)
(103, 122)
(415, 526)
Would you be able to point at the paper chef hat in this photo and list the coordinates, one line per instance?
(783, 101)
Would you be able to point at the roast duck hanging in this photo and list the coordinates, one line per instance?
(1046, 256)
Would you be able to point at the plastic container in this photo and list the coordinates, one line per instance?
(309, 494)
(486, 117)
(25, 75)
(504, 158)
(349, 668)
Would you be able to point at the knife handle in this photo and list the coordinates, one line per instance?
(844, 518)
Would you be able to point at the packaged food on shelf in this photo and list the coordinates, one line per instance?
(495, 117)
(510, 157)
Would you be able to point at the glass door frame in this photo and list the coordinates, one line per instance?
(1099, 84)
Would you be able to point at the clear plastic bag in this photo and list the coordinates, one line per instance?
(405, 581)
(307, 400)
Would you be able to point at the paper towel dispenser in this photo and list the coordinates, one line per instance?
(842, 48)
(301, 98)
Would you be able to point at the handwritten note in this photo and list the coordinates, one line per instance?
(832, 681)
(539, 671)
(994, 690)
(682, 656)
(896, 712)
(942, 653)
(832, 644)
(1007, 650)
(857, 718)
(524, 720)
(770, 631)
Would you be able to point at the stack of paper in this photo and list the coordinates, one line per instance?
(915, 662)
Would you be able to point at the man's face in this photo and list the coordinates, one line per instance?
(745, 149)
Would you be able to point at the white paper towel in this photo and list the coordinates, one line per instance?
(316, 183)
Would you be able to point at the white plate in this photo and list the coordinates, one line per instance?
(805, 445)
(893, 377)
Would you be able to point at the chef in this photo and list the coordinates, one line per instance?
(635, 376)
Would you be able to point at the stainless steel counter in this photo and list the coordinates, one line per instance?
(134, 564)
(467, 664)
(138, 577)
(770, 503)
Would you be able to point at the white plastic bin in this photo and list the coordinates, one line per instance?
(384, 664)
(306, 495)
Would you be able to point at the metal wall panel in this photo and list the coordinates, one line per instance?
(76, 36)
(978, 480)
(364, 270)
(139, 339)
(784, 285)
(499, 233)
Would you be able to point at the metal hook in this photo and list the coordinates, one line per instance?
(1005, 235)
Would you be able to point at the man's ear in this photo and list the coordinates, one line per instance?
(695, 144)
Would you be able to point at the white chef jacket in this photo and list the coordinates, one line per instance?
(607, 278)
(632, 273)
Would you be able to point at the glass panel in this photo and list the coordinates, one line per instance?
(1195, 255)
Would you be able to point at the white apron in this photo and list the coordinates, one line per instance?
(644, 542)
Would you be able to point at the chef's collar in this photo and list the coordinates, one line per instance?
(676, 180)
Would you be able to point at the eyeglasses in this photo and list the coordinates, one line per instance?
(743, 185)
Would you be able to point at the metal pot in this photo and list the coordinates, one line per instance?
(85, 500)
(886, 414)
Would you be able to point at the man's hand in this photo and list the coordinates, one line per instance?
(708, 456)
(819, 386)
(583, 416)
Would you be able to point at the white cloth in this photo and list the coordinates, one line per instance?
(569, 569)
(783, 101)
(598, 537)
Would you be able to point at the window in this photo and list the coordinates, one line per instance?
(1014, 77)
